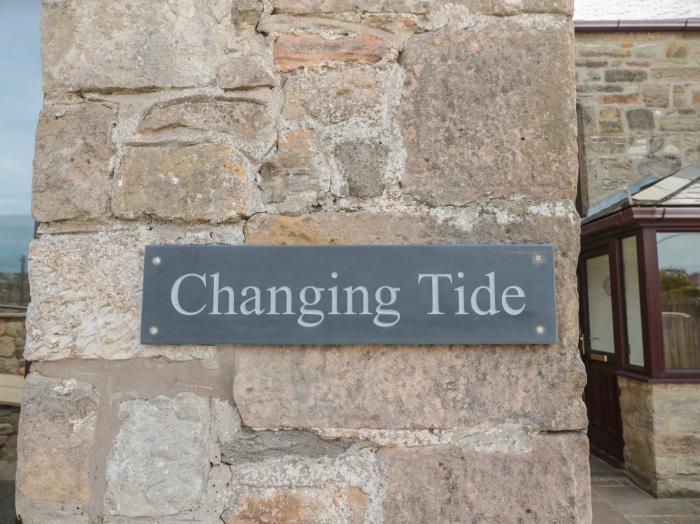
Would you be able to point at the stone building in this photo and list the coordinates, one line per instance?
(638, 95)
(245, 122)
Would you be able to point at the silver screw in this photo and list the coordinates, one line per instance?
(538, 258)
(153, 330)
(156, 261)
(540, 330)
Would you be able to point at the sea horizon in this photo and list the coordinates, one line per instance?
(16, 232)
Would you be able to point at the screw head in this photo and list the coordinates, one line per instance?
(540, 330)
(156, 261)
(153, 330)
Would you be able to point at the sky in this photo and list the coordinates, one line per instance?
(20, 101)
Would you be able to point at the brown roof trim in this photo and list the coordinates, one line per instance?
(616, 26)
(637, 216)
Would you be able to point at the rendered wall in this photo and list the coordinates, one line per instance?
(640, 100)
(297, 122)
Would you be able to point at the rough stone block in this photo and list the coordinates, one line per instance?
(7, 346)
(443, 380)
(681, 120)
(205, 182)
(294, 51)
(257, 446)
(333, 96)
(458, 484)
(245, 118)
(490, 143)
(159, 463)
(655, 95)
(625, 75)
(104, 45)
(677, 74)
(73, 161)
(640, 119)
(300, 506)
(363, 165)
(245, 72)
(333, 488)
(56, 438)
(301, 7)
(610, 121)
(293, 178)
(421, 7)
(86, 292)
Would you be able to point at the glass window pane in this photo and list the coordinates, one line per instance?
(633, 309)
(600, 304)
(679, 277)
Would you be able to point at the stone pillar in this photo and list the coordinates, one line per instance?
(297, 122)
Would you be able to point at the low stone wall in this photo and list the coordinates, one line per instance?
(661, 424)
(636, 407)
(12, 339)
(677, 439)
(640, 98)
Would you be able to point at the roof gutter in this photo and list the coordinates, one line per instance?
(616, 26)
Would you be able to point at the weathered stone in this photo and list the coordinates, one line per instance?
(630, 98)
(659, 167)
(103, 45)
(676, 50)
(696, 98)
(488, 7)
(681, 120)
(606, 145)
(294, 51)
(256, 446)
(86, 292)
(333, 96)
(292, 177)
(301, 7)
(56, 439)
(459, 484)
(677, 74)
(73, 161)
(245, 72)
(245, 118)
(300, 506)
(444, 379)
(625, 75)
(655, 95)
(598, 88)
(488, 145)
(610, 121)
(363, 165)
(680, 99)
(640, 119)
(7, 346)
(160, 460)
(204, 182)
(334, 488)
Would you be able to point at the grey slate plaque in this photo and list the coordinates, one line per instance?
(418, 294)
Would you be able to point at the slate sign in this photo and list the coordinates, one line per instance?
(419, 294)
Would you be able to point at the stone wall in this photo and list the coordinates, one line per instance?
(639, 94)
(661, 426)
(12, 335)
(297, 122)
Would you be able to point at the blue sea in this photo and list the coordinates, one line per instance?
(16, 231)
